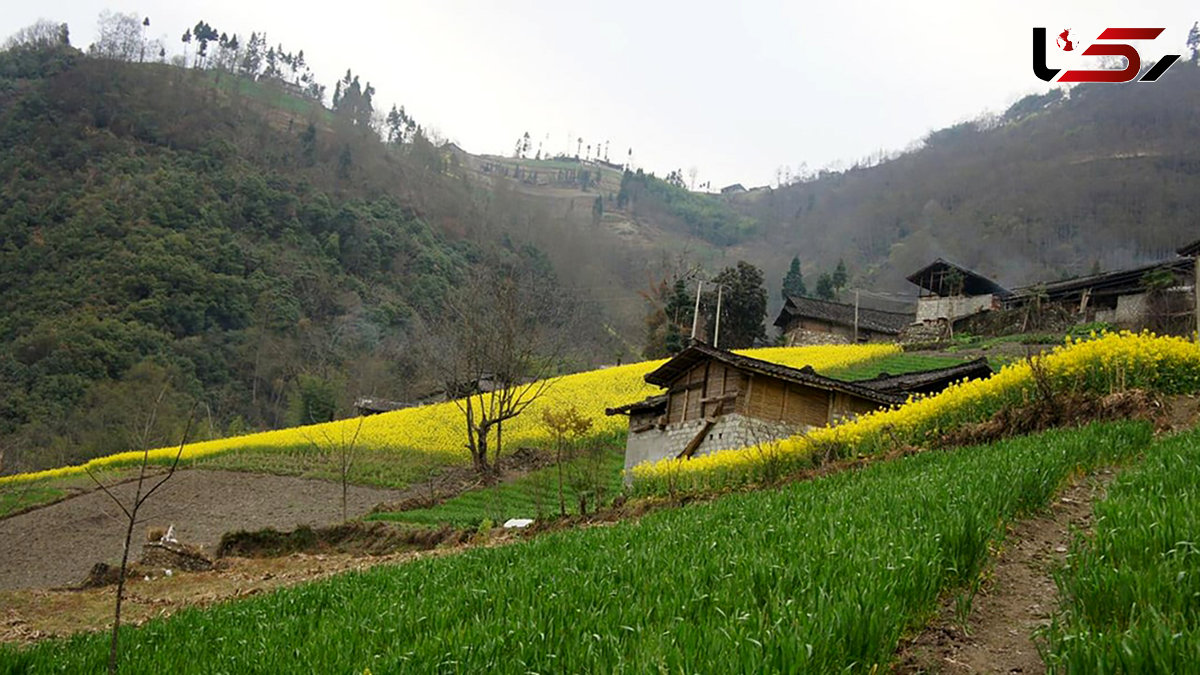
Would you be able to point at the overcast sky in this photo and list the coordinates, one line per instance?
(735, 90)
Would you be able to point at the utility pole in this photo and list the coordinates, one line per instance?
(856, 316)
(696, 313)
(717, 330)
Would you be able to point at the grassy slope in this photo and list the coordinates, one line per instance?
(1129, 589)
(532, 496)
(816, 577)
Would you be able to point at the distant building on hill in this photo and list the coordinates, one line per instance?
(717, 400)
(735, 189)
(949, 293)
(809, 321)
(1158, 296)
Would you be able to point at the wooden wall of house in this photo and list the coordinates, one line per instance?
(700, 391)
(847, 404)
(775, 400)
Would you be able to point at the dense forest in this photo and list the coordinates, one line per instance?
(173, 237)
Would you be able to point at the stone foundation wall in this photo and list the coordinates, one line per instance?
(731, 431)
(798, 337)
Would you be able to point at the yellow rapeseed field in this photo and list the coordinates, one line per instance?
(438, 429)
(1098, 364)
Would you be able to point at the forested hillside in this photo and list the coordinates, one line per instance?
(1106, 176)
(195, 238)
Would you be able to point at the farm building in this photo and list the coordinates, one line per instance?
(365, 405)
(809, 321)
(717, 400)
(1158, 296)
(950, 292)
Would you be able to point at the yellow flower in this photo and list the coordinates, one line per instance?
(438, 429)
(1105, 363)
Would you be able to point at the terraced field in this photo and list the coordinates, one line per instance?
(817, 577)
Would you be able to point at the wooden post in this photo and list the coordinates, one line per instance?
(856, 316)
(696, 313)
(717, 330)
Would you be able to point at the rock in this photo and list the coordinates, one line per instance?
(175, 556)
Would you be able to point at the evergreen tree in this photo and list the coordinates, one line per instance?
(793, 281)
(743, 306)
(1193, 43)
(825, 289)
(840, 277)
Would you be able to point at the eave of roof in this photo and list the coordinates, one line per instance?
(979, 284)
(667, 373)
(913, 382)
(1116, 279)
(645, 405)
(877, 320)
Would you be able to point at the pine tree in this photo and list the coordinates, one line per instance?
(825, 286)
(793, 281)
(839, 276)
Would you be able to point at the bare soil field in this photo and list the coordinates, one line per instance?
(58, 544)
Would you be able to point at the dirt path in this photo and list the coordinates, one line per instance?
(1017, 598)
(58, 544)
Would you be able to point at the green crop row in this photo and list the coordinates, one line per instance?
(821, 576)
(1131, 590)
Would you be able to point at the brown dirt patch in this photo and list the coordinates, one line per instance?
(57, 545)
(1017, 597)
(30, 615)
(1064, 411)
(355, 538)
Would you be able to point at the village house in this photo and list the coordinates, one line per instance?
(1157, 296)
(717, 400)
(951, 292)
(809, 321)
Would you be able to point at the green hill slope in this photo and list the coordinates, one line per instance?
(168, 235)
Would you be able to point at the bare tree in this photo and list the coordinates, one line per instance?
(494, 346)
(342, 453)
(131, 509)
(120, 37)
(39, 35)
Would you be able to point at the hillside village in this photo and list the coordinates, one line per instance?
(291, 384)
